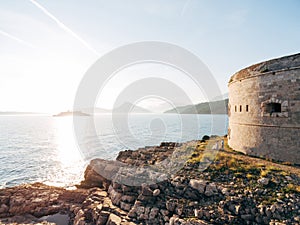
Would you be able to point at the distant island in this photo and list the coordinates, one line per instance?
(71, 113)
(215, 107)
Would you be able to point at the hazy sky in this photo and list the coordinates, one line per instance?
(47, 46)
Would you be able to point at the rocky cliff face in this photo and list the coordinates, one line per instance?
(235, 189)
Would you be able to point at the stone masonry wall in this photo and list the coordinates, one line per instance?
(255, 131)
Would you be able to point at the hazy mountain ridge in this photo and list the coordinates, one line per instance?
(215, 107)
(126, 107)
(129, 107)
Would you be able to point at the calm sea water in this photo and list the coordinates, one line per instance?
(45, 148)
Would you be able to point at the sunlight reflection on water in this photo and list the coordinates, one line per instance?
(44, 149)
(68, 152)
(69, 159)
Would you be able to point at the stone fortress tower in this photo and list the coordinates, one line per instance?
(264, 109)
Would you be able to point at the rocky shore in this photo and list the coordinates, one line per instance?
(151, 186)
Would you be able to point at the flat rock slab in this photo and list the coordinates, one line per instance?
(58, 218)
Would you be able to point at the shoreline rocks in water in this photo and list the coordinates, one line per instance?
(234, 189)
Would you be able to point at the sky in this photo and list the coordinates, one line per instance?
(47, 46)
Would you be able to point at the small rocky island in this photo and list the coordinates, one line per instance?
(71, 113)
(233, 189)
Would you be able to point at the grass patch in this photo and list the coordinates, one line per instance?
(220, 163)
(291, 188)
(285, 173)
(264, 173)
(250, 176)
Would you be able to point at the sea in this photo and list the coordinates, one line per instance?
(56, 150)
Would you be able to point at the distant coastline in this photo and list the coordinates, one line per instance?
(19, 113)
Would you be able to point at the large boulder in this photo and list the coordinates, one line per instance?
(100, 173)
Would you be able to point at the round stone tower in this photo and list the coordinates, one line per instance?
(264, 109)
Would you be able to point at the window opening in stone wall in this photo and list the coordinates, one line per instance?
(273, 108)
(247, 108)
(235, 108)
(240, 108)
